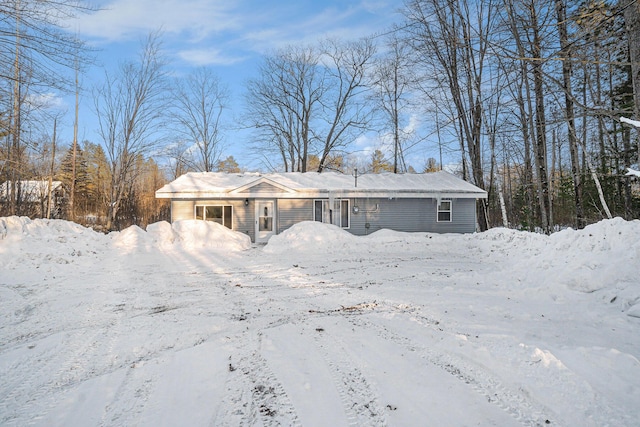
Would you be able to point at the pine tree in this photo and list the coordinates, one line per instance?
(228, 165)
(379, 164)
(97, 179)
(81, 179)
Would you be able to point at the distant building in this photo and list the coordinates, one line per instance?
(33, 197)
(261, 205)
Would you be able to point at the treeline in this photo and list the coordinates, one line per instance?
(530, 92)
(523, 98)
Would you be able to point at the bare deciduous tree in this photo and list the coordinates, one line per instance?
(284, 100)
(391, 87)
(199, 102)
(345, 101)
(35, 52)
(453, 36)
(310, 100)
(129, 106)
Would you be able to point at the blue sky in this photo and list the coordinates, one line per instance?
(229, 36)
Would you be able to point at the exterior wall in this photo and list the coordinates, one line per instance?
(411, 215)
(408, 215)
(243, 216)
(293, 211)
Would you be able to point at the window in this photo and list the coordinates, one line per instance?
(444, 210)
(217, 213)
(336, 215)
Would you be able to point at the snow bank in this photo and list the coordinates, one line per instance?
(50, 242)
(130, 238)
(602, 258)
(162, 233)
(187, 234)
(195, 233)
(51, 234)
(60, 235)
(311, 236)
(18, 228)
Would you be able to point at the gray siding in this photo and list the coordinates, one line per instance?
(293, 211)
(411, 215)
(408, 215)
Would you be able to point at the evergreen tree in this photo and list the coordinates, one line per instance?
(81, 180)
(379, 164)
(228, 165)
(98, 180)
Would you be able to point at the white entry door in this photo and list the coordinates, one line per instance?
(265, 220)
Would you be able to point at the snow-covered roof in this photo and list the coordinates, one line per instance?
(30, 190)
(314, 184)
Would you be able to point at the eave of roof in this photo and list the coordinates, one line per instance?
(310, 185)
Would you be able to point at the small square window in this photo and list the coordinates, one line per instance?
(444, 211)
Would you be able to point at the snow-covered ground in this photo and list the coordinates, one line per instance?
(192, 325)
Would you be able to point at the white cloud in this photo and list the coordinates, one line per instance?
(290, 26)
(202, 57)
(123, 19)
(48, 100)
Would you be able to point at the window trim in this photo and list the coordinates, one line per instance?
(340, 213)
(226, 221)
(449, 211)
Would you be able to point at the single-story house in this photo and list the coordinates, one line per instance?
(264, 204)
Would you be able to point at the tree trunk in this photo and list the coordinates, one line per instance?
(72, 211)
(632, 25)
(540, 146)
(53, 163)
(569, 114)
(14, 149)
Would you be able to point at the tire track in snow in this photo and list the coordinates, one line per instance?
(254, 395)
(34, 385)
(358, 397)
(599, 408)
(483, 382)
(130, 399)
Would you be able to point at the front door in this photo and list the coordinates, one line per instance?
(265, 220)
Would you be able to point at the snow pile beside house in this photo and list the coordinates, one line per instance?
(208, 234)
(187, 235)
(311, 236)
(602, 258)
